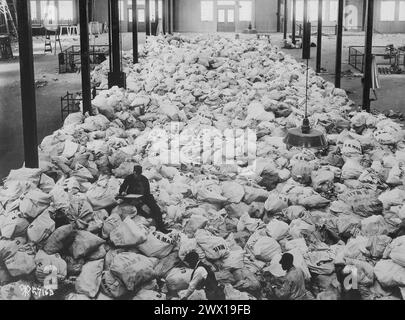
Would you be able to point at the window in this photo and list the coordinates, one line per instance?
(141, 15)
(66, 10)
(333, 11)
(207, 10)
(245, 11)
(231, 16)
(299, 11)
(221, 15)
(48, 11)
(313, 10)
(152, 11)
(387, 11)
(226, 2)
(33, 10)
(402, 11)
(160, 9)
(121, 2)
(129, 15)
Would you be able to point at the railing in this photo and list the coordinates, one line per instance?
(70, 102)
(385, 56)
(329, 30)
(69, 60)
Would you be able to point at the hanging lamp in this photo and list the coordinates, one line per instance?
(305, 136)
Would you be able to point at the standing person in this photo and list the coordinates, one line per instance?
(202, 278)
(138, 184)
(293, 283)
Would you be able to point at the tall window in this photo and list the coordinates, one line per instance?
(226, 2)
(333, 10)
(387, 11)
(402, 11)
(245, 11)
(48, 11)
(207, 10)
(141, 15)
(152, 10)
(121, 10)
(33, 10)
(312, 10)
(66, 10)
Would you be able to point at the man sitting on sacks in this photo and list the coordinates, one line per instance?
(138, 184)
(292, 285)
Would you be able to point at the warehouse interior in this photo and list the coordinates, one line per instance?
(267, 130)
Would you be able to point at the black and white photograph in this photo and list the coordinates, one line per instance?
(202, 156)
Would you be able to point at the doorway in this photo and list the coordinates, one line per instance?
(141, 19)
(226, 18)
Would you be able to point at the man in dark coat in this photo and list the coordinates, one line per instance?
(136, 183)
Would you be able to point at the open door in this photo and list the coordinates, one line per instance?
(141, 18)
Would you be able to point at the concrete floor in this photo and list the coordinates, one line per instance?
(391, 94)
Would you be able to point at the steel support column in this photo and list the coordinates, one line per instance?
(147, 17)
(368, 58)
(279, 15)
(294, 20)
(115, 77)
(363, 22)
(27, 78)
(339, 40)
(135, 31)
(306, 52)
(164, 16)
(319, 40)
(169, 17)
(285, 18)
(84, 55)
(156, 18)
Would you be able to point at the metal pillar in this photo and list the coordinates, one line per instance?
(169, 16)
(363, 24)
(338, 72)
(147, 16)
(294, 20)
(164, 16)
(368, 56)
(319, 41)
(27, 77)
(84, 55)
(135, 31)
(306, 53)
(172, 15)
(285, 18)
(156, 17)
(115, 77)
(278, 15)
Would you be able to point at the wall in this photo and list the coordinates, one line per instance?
(187, 17)
(100, 12)
(266, 15)
(387, 26)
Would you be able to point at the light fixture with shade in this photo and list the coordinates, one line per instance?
(305, 136)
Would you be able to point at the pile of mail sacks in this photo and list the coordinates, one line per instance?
(61, 226)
